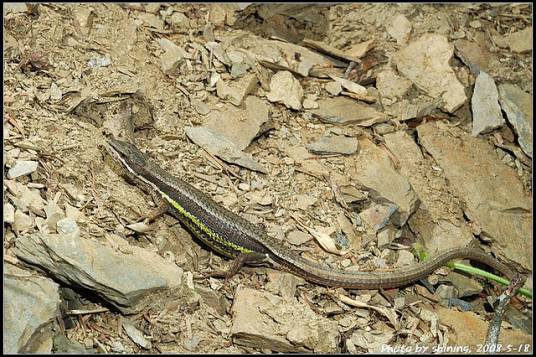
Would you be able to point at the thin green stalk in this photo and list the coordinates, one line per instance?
(475, 271)
(422, 256)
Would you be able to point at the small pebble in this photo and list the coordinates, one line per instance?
(9, 213)
(67, 225)
(22, 168)
(334, 88)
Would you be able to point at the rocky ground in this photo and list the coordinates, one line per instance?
(352, 133)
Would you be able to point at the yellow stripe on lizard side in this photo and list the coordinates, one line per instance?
(203, 227)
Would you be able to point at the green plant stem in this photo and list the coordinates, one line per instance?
(475, 271)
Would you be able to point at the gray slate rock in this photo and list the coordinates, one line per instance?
(121, 279)
(31, 304)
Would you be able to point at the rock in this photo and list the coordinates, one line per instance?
(9, 213)
(360, 49)
(31, 305)
(151, 20)
(474, 56)
(136, 335)
(383, 128)
(404, 258)
(494, 196)
(350, 86)
(310, 102)
(435, 220)
(263, 320)
(238, 90)
(487, 113)
(55, 92)
(286, 89)
(334, 88)
(22, 222)
(377, 216)
(22, 168)
(54, 213)
(238, 125)
(239, 70)
(425, 62)
(172, 57)
(279, 55)
(213, 299)
(200, 107)
(222, 14)
(468, 329)
(399, 28)
(67, 226)
(386, 236)
(465, 286)
(62, 345)
(340, 110)
(374, 169)
(520, 41)
(29, 200)
(222, 147)
(124, 280)
(216, 49)
(283, 284)
(518, 107)
(329, 50)
(391, 85)
(413, 108)
(298, 237)
(334, 144)
(179, 21)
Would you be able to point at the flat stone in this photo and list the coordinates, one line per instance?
(487, 113)
(179, 20)
(334, 144)
(374, 169)
(474, 56)
(350, 86)
(213, 299)
(399, 28)
(125, 280)
(520, 41)
(22, 222)
(310, 103)
(263, 320)
(237, 90)
(298, 237)
(333, 88)
(22, 168)
(425, 62)
(518, 107)
(222, 147)
(239, 69)
(136, 335)
(286, 89)
(465, 286)
(494, 196)
(240, 125)
(417, 107)
(377, 216)
(31, 305)
(9, 213)
(54, 213)
(172, 57)
(459, 322)
(279, 55)
(391, 85)
(341, 110)
(67, 225)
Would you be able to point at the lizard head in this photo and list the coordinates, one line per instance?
(126, 153)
